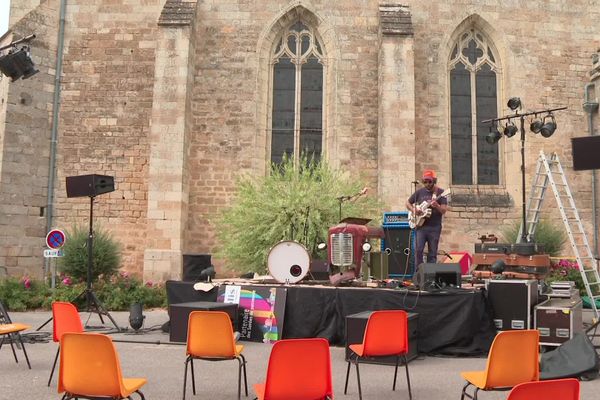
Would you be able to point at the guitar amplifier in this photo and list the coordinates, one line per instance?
(512, 302)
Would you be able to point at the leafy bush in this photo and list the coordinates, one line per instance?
(291, 203)
(116, 294)
(106, 254)
(551, 236)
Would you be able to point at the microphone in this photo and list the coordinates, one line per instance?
(446, 254)
(415, 182)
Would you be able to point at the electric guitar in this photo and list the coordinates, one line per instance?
(416, 221)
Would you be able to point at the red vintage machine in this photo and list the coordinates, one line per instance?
(347, 242)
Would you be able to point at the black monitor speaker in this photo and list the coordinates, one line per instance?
(194, 265)
(89, 185)
(430, 276)
(585, 152)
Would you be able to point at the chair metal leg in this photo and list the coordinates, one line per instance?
(407, 377)
(53, 366)
(464, 391)
(358, 379)
(24, 351)
(185, 377)
(347, 375)
(193, 376)
(2, 342)
(141, 395)
(239, 377)
(245, 375)
(475, 393)
(12, 346)
(396, 372)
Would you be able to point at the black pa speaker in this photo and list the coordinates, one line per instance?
(585, 152)
(319, 270)
(398, 244)
(193, 265)
(89, 185)
(438, 275)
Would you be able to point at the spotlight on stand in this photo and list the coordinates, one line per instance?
(548, 128)
(514, 103)
(493, 137)
(510, 129)
(136, 316)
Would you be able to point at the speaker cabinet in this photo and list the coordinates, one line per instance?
(585, 152)
(319, 270)
(398, 242)
(89, 185)
(193, 265)
(438, 276)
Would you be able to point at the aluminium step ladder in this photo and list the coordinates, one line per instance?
(549, 171)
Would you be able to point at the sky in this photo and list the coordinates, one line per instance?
(4, 9)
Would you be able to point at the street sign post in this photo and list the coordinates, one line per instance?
(55, 239)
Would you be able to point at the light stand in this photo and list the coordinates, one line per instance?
(93, 304)
(515, 104)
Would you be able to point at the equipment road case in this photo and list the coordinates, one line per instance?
(558, 320)
(512, 302)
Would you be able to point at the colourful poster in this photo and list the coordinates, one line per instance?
(261, 310)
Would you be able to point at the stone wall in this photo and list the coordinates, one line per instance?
(25, 148)
(115, 114)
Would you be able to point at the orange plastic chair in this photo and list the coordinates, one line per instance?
(386, 334)
(563, 389)
(299, 369)
(210, 337)
(90, 368)
(11, 330)
(65, 319)
(513, 359)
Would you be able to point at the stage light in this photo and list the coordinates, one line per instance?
(510, 129)
(548, 128)
(207, 274)
(514, 103)
(493, 136)
(536, 125)
(136, 316)
(18, 64)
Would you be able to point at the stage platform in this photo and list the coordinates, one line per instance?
(453, 322)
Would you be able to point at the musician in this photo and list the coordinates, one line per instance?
(431, 229)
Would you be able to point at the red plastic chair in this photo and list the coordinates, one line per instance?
(65, 319)
(386, 334)
(299, 369)
(563, 389)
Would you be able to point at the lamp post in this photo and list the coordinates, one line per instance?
(546, 129)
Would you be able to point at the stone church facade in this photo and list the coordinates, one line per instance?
(175, 98)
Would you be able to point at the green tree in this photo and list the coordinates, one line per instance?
(291, 203)
(106, 254)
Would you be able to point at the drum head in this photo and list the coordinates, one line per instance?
(288, 262)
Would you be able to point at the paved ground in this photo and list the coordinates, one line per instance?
(432, 378)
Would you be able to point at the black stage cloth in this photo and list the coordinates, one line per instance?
(453, 322)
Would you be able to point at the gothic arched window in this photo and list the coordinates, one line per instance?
(474, 78)
(297, 103)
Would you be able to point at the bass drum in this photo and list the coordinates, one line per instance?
(288, 262)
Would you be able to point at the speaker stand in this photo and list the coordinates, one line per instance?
(93, 304)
